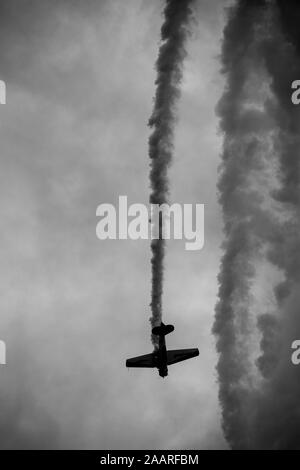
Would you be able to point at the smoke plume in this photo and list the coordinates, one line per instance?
(169, 74)
(259, 195)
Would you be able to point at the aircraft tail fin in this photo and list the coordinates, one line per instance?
(162, 330)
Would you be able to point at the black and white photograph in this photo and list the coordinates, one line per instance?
(150, 228)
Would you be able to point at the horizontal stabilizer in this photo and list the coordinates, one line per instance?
(178, 355)
(162, 330)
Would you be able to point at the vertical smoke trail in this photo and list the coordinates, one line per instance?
(243, 123)
(261, 134)
(278, 406)
(169, 73)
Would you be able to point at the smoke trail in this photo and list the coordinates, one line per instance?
(243, 123)
(174, 32)
(278, 403)
(260, 58)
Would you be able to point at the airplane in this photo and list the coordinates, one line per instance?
(161, 358)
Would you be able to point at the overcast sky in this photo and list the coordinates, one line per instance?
(80, 84)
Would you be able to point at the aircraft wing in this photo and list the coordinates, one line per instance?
(178, 355)
(141, 361)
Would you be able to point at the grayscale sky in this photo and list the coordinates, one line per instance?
(80, 85)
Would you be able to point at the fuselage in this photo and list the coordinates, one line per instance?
(161, 356)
